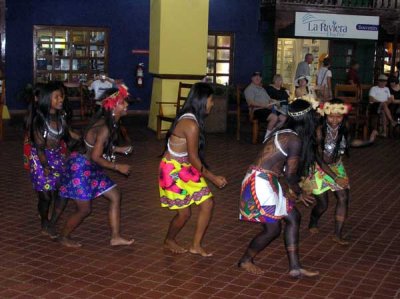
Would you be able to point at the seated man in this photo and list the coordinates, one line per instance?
(260, 103)
(380, 98)
(99, 85)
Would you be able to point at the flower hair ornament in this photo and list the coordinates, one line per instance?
(328, 108)
(116, 98)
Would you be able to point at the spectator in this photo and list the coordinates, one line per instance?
(260, 103)
(277, 92)
(303, 68)
(394, 88)
(380, 98)
(324, 81)
(352, 75)
(99, 86)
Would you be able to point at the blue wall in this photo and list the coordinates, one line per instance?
(128, 21)
(240, 17)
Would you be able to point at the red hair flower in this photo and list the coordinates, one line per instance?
(116, 98)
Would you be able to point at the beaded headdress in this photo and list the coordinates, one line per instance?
(329, 108)
(116, 98)
(300, 113)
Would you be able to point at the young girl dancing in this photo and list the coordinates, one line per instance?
(330, 174)
(289, 152)
(84, 179)
(47, 129)
(182, 170)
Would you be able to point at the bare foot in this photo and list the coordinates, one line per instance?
(172, 246)
(251, 268)
(199, 250)
(49, 231)
(298, 273)
(69, 243)
(117, 241)
(340, 241)
(314, 230)
(373, 135)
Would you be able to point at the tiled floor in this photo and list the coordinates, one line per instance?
(32, 266)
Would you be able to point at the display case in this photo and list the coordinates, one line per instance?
(69, 54)
(285, 61)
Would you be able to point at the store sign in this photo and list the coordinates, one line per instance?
(336, 26)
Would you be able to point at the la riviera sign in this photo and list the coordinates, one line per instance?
(336, 26)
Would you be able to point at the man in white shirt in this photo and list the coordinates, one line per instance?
(380, 98)
(260, 103)
(303, 68)
(99, 85)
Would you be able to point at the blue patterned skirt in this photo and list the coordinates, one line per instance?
(55, 160)
(83, 179)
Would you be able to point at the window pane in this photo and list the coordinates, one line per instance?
(222, 80)
(223, 41)
(211, 41)
(80, 36)
(210, 67)
(97, 37)
(60, 77)
(61, 36)
(210, 54)
(61, 64)
(223, 54)
(223, 68)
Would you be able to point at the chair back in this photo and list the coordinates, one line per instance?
(239, 107)
(183, 92)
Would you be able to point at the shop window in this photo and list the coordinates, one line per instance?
(220, 57)
(70, 54)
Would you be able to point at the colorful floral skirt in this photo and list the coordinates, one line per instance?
(40, 181)
(181, 184)
(83, 179)
(262, 198)
(319, 182)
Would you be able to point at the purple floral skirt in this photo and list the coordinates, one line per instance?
(40, 181)
(83, 179)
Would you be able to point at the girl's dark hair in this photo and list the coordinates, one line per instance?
(343, 132)
(41, 113)
(109, 121)
(326, 62)
(196, 104)
(304, 125)
(393, 79)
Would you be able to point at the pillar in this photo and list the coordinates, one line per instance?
(178, 49)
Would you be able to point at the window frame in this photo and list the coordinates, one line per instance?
(231, 49)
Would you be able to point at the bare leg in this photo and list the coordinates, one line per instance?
(341, 215)
(281, 120)
(270, 232)
(272, 120)
(45, 200)
(83, 209)
(318, 210)
(205, 211)
(388, 114)
(175, 226)
(292, 227)
(114, 214)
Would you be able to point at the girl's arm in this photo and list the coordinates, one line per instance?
(192, 133)
(98, 149)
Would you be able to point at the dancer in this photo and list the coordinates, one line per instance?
(289, 151)
(182, 171)
(330, 174)
(84, 179)
(47, 128)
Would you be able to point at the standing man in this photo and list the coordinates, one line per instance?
(303, 68)
(260, 103)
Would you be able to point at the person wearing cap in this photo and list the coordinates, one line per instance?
(260, 102)
(100, 84)
(380, 98)
(302, 87)
(303, 68)
(287, 155)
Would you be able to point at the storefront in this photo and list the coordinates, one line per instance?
(340, 37)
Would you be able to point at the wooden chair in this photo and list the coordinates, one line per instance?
(255, 124)
(183, 91)
(74, 93)
(351, 94)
